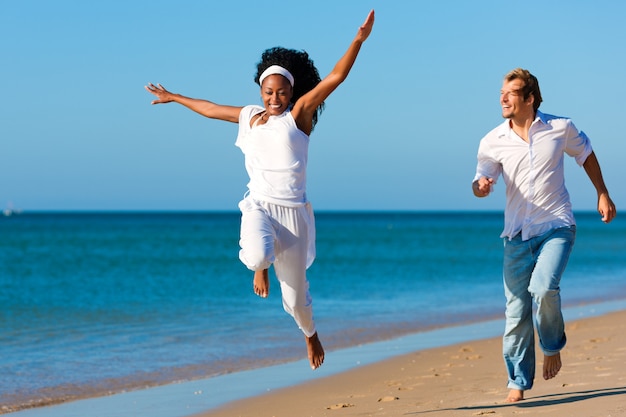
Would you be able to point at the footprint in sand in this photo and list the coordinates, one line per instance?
(579, 384)
(339, 406)
(465, 353)
(387, 399)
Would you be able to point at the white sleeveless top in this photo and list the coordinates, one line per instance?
(276, 155)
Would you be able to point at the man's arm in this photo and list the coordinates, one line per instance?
(605, 205)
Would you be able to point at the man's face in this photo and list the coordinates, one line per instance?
(512, 100)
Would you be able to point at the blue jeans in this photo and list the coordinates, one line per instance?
(532, 271)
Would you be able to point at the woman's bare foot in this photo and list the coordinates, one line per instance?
(515, 395)
(261, 283)
(315, 350)
(551, 366)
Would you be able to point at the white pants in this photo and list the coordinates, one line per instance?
(285, 237)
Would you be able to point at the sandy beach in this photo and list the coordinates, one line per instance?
(466, 379)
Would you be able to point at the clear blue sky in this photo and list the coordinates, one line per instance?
(77, 130)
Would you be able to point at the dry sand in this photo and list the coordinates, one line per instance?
(468, 379)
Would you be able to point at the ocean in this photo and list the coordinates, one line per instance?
(99, 303)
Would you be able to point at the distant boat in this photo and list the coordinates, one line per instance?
(10, 211)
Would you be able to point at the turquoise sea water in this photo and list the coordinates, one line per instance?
(93, 303)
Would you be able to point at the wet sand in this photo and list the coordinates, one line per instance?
(466, 379)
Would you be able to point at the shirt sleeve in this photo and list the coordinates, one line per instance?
(578, 144)
(245, 115)
(487, 166)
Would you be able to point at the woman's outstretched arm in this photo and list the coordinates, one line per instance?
(204, 107)
(305, 107)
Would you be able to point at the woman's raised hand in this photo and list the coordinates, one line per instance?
(366, 27)
(162, 95)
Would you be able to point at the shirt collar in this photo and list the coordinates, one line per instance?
(542, 117)
(505, 127)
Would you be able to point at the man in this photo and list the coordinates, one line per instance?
(539, 227)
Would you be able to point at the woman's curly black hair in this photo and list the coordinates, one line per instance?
(299, 65)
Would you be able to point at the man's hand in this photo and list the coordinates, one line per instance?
(482, 186)
(606, 208)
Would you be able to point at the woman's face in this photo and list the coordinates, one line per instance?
(276, 93)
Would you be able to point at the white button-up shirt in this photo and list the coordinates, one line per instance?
(536, 198)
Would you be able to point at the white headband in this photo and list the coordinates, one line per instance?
(276, 69)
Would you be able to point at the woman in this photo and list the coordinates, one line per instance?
(277, 224)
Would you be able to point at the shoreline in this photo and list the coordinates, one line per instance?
(464, 379)
(208, 396)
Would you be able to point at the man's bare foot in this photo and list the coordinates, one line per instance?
(261, 283)
(315, 350)
(515, 395)
(551, 366)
